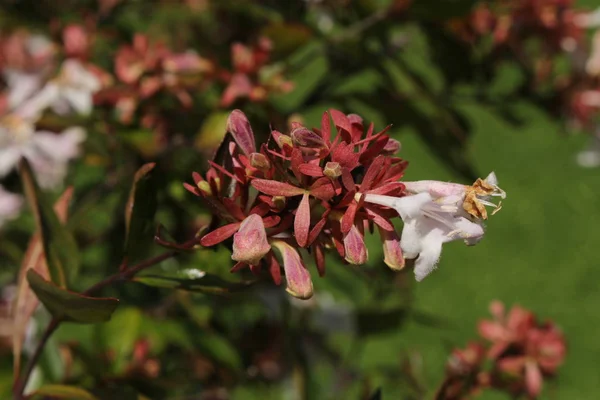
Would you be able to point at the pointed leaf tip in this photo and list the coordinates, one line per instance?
(71, 306)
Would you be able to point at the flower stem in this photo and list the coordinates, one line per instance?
(22, 381)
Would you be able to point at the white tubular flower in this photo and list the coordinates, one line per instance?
(71, 90)
(439, 213)
(10, 205)
(48, 153)
(21, 85)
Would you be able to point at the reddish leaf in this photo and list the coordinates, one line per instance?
(322, 189)
(302, 221)
(340, 120)
(319, 253)
(388, 189)
(316, 230)
(357, 127)
(191, 189)
(219, 234)
(326, 128)
(374, 169)
(238, 267)
(274, 268)
(295, 162)
(379, 219)
(347, 180)
(271, 221)
(348, 218)
(311, 170)
(344, 154)
(374, 149)
(274, 188)
(233, 209)
(261, 209)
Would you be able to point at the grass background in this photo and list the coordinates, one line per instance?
(540, 251)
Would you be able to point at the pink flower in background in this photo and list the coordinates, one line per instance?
(10, 205)
(48, 152)
(252, 78)
(524, 351)
(76, 41)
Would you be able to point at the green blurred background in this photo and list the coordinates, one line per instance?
(539, 251)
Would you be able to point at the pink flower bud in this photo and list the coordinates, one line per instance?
(355, 248)
(250, 243)
(259, 161)
(392, 147)
(306, 138)
(240, 129)
(76, 41)
(297, 276)
(392, 252)
(332, 170)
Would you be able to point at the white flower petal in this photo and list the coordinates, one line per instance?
(410, 206)
(35, 106)
(79, 99)
(21, 85)
(430, 254)
(9, 157)
(435, 188)
(471, 232)
(61, 147)
(410, 241)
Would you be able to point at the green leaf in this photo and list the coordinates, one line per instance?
(287, 37)
(194, 280)
(221, 350)
(212, 132)
(120, 334)
(139, 213)
(60, 248)
(62, 392)
(70, 306)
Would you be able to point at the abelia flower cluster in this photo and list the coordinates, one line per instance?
(322, 189)
(559, 29)
(144, 69)
(511, 23)
(523, 353)
(252, 78)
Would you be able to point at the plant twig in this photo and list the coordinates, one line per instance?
(21, 383)
(130, 272)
